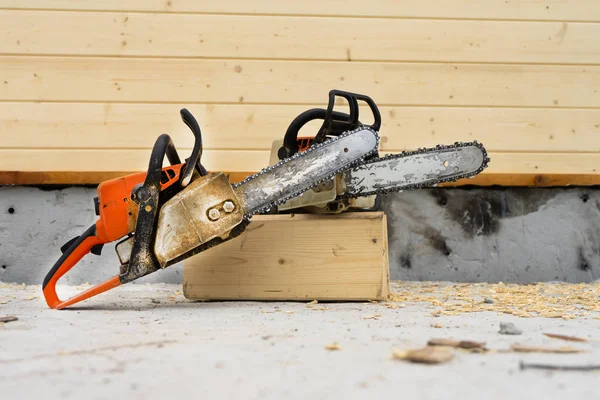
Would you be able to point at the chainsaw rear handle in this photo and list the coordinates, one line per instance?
(71, 256)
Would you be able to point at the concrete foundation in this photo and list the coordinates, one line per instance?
(460, 235)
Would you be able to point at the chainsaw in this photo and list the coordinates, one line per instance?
(360, 187)
(169, 213)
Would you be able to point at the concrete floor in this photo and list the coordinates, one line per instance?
(147, 341)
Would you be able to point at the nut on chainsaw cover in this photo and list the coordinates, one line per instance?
(207, 209)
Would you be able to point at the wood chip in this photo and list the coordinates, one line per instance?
(426, 355)
(437, 326)
(372, 316)
(565, 337)
(332, 346)
(9, 318)
(461, 344)
(539, 349)
(3, 302)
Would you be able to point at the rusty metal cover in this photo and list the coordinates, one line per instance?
(184, 222)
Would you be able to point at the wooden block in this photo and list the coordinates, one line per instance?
(296, 257)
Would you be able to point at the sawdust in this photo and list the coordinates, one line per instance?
(332, 347)
(547, 300)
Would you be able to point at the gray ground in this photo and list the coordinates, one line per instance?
(147, 341)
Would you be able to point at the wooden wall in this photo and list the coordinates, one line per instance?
(87, 86)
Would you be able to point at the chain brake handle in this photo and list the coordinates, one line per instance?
(334, 122)
(146, 194)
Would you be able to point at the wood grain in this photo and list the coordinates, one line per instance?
(283, 37)
(348, 260)
(110, 160)
(255, 127)
(578, 10)
(69, 178)
(300, 82)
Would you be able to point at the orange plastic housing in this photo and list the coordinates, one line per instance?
(118, 216)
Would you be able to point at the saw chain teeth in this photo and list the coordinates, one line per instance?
(359, 161)
(432, 183)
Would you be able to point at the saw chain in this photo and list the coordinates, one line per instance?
(266, 208)
(430, 183)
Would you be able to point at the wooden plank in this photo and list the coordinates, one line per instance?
(277, 37)
(69, 178)
(577, 10)
(299, 82)
(346, 260)
(255, 127)
(110, 160)
(528, 180)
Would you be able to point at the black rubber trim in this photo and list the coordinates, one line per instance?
(91, 231)
(97, 249)
(66, 246)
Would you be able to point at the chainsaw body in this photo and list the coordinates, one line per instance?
(160, 215)
(322, 199)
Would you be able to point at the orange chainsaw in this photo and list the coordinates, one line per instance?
(169, 213)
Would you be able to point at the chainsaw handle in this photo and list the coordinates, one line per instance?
(72, 255)
(290, 140)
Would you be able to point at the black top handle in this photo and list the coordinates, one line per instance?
(194, 160)
(334, 122)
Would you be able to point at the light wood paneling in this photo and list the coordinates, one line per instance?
(107, 160)
(86, 87)
(255, 127)
(280, 82)
(577, 10)
(276, 37)
(348, 261)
